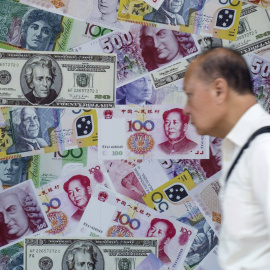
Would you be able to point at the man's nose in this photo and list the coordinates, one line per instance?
(156, 42)
(148, 85)
(6, 218)
(38, 32)
(8, 166)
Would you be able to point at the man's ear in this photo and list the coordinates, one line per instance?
(185, 127)
(89, 190)
(168, 239)
(221, 88)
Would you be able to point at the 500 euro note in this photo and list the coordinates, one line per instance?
(66, 32)
(113, 215)
(137, 54)
(212, 18)
(51, 130)
(149, 131)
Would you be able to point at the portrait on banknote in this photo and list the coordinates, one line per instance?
(139, 92)
(37, 30)
(164, 230)
(161, 46)
(175, 126)
(12, 257)
(26, 130)
(83, 254)
(20, 213)
(207, 43)
(38, 77)
(78, 188)
(13, 171)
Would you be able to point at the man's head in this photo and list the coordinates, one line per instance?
(13, 219)
(175, 124)
(39, 29)
(82, 257)
(215, 147)
(108, 6)
(79, 190)
(39, 75)
(219, 90)
(163, 229)
(205, 42)
(138, 91)
(11, 170)
(173, 6)
(124, 264)
(25, 122)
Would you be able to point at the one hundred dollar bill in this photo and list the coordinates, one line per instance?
(253, 31)
(21, 25)
(34, 131)
(150, 131)
(43, 169)
(57, 79)
(138, 54)
(212, 18)
(17, 221)
(66, 198)
(119, 216)
(87, 253)
(142, 92)
(173, 199)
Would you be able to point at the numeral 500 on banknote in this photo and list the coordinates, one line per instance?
(158, 131)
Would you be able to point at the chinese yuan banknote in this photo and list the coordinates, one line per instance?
(141, 92)
(65, 200)
(113, 215)
(34, 131)
(219, 19)
(150, 131)
(72, 80)
(21, 214)
(107, 253)
(15, 23)
(253, 31)
(173, 199)
(137, 54)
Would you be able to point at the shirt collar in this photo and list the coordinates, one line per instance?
(246, 125)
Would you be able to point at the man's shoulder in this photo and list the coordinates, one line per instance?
(41, 142)
(155, 15)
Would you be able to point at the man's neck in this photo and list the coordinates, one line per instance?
(111, 17)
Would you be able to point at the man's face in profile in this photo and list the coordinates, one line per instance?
(83, 261)
(173, 126)
(42, 81)
(38, 36)
(163, 43)
(78, 194)
(13, 219)
(29, 123)
(108, 6)
(159, 230)
(139, 90)
(173, 6)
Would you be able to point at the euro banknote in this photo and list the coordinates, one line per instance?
(35, 131)
(158, 132)
(119, 216)
(137, 54)
(17, 216)
(57, 79)
(43, 169)
(219, 19)
(92, 253)
(17, 22)
(173, 199)
(66, 198)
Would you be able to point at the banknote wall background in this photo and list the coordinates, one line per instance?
(99, 167)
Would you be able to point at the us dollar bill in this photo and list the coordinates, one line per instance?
(57, 79)
(93, 253)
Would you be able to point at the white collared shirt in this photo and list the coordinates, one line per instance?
(245, 198)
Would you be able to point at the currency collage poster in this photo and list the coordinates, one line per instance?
(101, 165)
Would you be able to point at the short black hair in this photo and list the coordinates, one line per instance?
(183, 117)
(84, 180)
(171, 231)
(227, 64)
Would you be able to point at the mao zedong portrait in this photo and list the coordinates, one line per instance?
(164, 230)
(40, 29)
(15, 221)
(26, 128)
(161, 46)
(40, 74)
(79, 192)
(83, 256)
(175, 127)
(138, 92)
